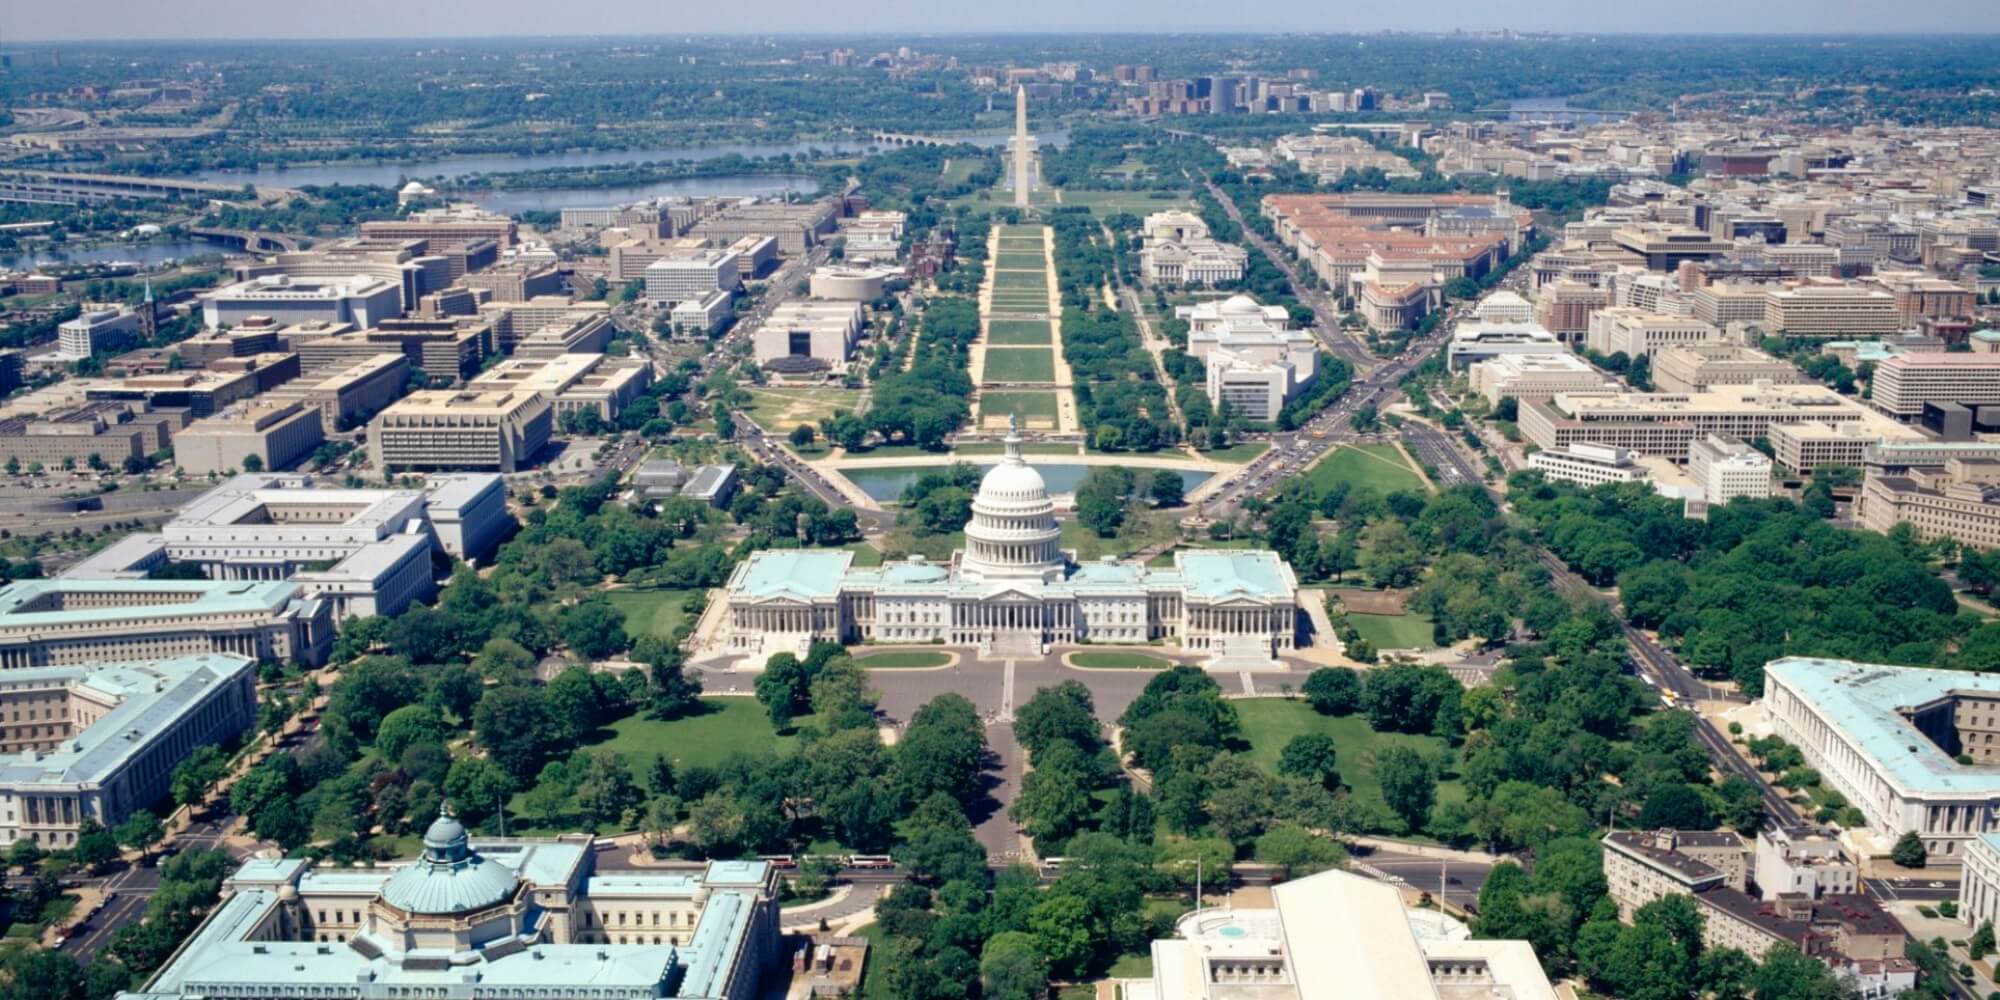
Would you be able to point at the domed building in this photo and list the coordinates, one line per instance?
(1252, 358)
(494, 920)
(1013, 591)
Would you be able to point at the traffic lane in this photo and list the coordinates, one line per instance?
(1914, 890)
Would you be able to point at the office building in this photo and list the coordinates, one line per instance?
(1699, 367)
(202, 392)
(1979, 886)
(1564, 307)
(482, 920)
(362, 301)
(274, 434)
(446, 350)
(1535, 377)
(587, 334)
(346, 396)
(690, 274)
(1850, 933)
(1192, 262)
(1723, 303)
(1473, 342)
(702, 317)
(1174, 225)
(571, 383)
(1902, 384)
(516, 282)
(1726, 468)
(1335, 935)
(1013, 591)
(1664, 424)
(514, 322)
(363, 552)
(447, 430)
(451, 225)
(797, 227)
(1829, 310)
(1805, 861)
(1253, 360)
(1504, 307)
(115, 433)
(818, 331)
(65, 622)
(90, 331)
(100, 741)
(1589, 465)
(1664, 246)
(1889, 738)
(1635, 332)
(1957, 499)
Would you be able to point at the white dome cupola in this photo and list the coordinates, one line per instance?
(1013, 534)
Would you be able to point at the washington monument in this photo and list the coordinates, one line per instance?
(1024, 158)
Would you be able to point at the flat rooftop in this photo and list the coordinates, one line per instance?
(1864, 701)
(150, 696)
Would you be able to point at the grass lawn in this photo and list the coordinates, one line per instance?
(1135, 202)
(892, 451)
(1244, 452)
(780, 410)
(865, 555)
(1019, 331)
(874, 986)
(959, 170)
(730, 726)
(1378, 467)
(1102, 659)
(1027, 404)
(650, 612)
(1020, 364)
(904, 659)
(937, 548)
(1269, 723)
(1394, 631)
(1020, 260)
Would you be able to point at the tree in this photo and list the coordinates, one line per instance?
(1168, 490)
(95, 846)
(785, 689)
(943, 749)
(408, 726)
(140, 831)
(1061, 924)
(1100, 499)
(1785, 974)
(1389, 556)
(1060, 713)
(1677, 806)
(1333, 690)
(803, 436)
(594, 628)
(1409, 785)
(24, 854)
(514, 726)
(1981, 942)
(1909, 851)
(1012, 967)
(1310, 756)
(1293, 851)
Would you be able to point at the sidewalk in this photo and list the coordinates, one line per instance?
(1424, 850)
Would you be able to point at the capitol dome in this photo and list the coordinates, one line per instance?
(450, 877)
(1013, 533)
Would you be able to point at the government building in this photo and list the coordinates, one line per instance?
(67, 622)
(101, 741)
(496, 920)
(1013, 592)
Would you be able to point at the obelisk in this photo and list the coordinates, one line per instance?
(1023, 162)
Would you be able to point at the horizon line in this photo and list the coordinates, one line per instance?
(1469, 34)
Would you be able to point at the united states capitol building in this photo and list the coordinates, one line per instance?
(497, 920)
(1013, 591)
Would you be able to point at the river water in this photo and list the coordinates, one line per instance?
(884, 484)
(150, 253)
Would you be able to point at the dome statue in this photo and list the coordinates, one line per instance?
(1013, 533)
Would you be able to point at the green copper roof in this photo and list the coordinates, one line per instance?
(1223, 573)
(803, 574)
(39, 602)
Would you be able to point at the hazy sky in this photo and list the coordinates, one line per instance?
(22, 20)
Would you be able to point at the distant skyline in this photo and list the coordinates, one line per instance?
(235, 20)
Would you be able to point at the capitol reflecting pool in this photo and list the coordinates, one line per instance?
(886, 484)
